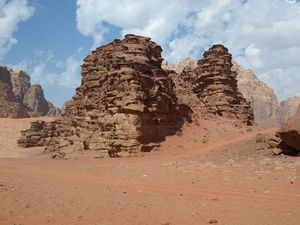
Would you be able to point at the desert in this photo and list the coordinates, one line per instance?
(141, 140)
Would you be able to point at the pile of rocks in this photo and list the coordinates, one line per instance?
(18, 98)
(125, 104)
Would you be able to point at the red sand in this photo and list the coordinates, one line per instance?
(209, 172)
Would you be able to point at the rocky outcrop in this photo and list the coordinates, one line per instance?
(20, 83)
(35, 101)
(53, 111)
(263, 100)
(20, 99)
(266, 108)
(289, 108)
(124, 105)
(290, 132)
(209, 86)
(9, 105)
(216, 86)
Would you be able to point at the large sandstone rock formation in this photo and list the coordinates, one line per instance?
(290, 131)
(266, 108)
(20, 83)
(289, 108)
(20, 99)
(35, 101)
(125, 104)
(9, 105)
(213, 84)
(216, 86)
(263, 100)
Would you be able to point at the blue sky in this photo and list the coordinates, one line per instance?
(49, 39)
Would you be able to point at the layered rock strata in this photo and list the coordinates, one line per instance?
(125, 104)
(215, 84)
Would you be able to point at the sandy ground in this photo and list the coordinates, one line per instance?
(211, 173)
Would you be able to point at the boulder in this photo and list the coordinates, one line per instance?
(290, 131)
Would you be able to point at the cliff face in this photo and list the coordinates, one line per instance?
(9, 105)
(268, 112)
(289, 108)
(263, 100)
(35, 101)
(20, 99)
(125, 104)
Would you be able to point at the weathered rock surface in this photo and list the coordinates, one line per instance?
(263, 100)
(20, 99)
(35, 101)
(290, 132)
(20, 83)
(125, 104)
(216, 86)
(53, 111)
(266, 108)
(289, 108)
(9, 105)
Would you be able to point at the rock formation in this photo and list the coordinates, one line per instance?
(289, 108)
(20, 99)
(35, 101)
(9, 105)
(266, 108)
(20, 83)
(125, 104)
(290, 131)
(216, 86)
(263, 100)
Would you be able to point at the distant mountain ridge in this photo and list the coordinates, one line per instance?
(19, 99)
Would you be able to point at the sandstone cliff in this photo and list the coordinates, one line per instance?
(125, 104)
(263, 99)
(9, 105)
(216, 86)
(20, 99)
(266, 108)
(289, 108)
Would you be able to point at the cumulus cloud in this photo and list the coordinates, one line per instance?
(47, 70)
(12, 12)
(261, 34)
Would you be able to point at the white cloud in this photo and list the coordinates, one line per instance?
(12, 13)
(47, 70)
(261, 34)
